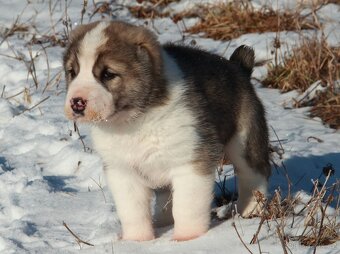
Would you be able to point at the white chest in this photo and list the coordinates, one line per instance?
(164, 139)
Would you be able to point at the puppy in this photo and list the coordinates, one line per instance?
(164, 115)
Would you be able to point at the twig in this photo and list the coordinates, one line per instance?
(50, 9)
(67, 21)
(83, 11)
(48, 68)
(238, 234)
(56, 78)
(314, 10)
(28, 109)
(76, 129)
(283, 243)
(15, 95)
(12, 29)
(255, 237)
(100, 187)
(277, 139)
(79, 241)
(31, 68)
(3, 91)
(323, 212)
(317, 139)
(307, 94)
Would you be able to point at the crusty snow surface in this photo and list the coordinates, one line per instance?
(46, 177)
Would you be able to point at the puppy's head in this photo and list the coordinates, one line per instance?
(113, 72)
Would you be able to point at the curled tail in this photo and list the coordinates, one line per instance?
(244, 56)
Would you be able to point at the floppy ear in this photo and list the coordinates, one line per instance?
(148, 48)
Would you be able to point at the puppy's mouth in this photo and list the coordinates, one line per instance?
(123, 115)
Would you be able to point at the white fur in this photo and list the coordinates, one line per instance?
(99, 101)
(156, 150)
(191, 202)
(248, 180)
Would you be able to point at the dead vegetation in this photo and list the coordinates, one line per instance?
(150, 9)
(149, 12)
(320, 227)
(231, 20)
(313, 60)
(327, 107)
(76, 237)
(228, 21)
(158, 2)
(316, 215)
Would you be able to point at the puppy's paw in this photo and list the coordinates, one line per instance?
(180, 237)
(189, 232)
(249, 209)
(138, 233)
(223, 212)
(138, 237)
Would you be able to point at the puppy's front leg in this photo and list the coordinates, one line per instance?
(132, 200)
(192, 196)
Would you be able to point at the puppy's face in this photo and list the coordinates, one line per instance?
(113, 72)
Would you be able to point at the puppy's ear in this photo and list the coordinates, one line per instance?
(148, 48)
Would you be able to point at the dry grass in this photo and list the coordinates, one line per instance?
(50, 40)
(150, 9)
(162, 3)
(327, 107)
(142, 12)
(312, 61)
(228, 21)
(317, 217)
(319, 228)
(16, 28)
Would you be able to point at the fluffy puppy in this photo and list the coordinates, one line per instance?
(164, 115)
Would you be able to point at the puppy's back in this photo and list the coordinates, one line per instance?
(216, 87)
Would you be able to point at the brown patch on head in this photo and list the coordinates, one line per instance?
(127, 63)
(70, 61)
(133, 55)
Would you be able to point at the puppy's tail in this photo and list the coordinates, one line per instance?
(244, 56)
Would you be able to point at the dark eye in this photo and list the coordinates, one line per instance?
(107, 75)
(71, 73)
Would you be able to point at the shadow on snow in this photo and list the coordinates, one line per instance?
(302, 171)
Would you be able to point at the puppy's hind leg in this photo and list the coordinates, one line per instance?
(249, 153)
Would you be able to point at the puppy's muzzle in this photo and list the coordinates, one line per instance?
(78, 105)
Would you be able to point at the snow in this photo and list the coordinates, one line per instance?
(46, 177)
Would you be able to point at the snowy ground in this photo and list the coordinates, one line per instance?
(46, 177)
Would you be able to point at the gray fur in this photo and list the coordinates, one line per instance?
(220, 93)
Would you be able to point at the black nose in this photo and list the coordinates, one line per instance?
(78, 105)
